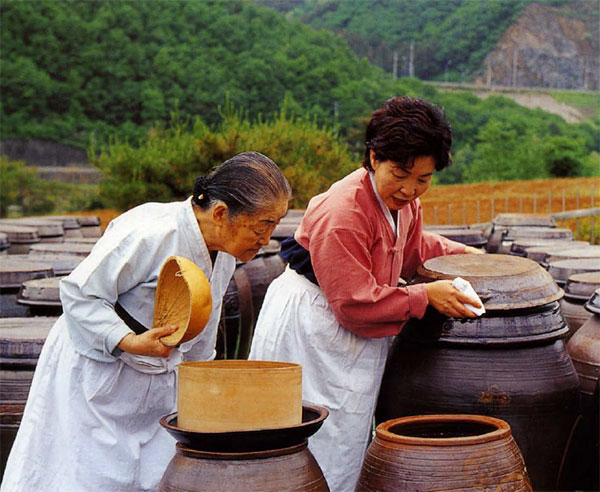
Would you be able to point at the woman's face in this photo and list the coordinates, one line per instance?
(245, 234)
(397, 186)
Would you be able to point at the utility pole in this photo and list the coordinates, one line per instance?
(395, 65)
(411, 59)
(514, 69)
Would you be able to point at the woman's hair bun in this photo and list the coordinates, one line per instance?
(201, 190)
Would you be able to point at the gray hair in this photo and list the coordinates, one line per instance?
(246, 183)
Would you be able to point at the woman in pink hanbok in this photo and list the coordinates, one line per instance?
(341, 300)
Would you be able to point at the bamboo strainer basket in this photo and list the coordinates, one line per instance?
(182, 298)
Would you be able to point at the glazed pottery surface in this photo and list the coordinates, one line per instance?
(313, 417)
(265, 460)
(443, 452)
(510, 363)
(278, 470)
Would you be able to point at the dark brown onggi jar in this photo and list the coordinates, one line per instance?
(21, 341)
(443, 452)
(510, 363)
(261, 460)
(578, 290)
(583, 461)
(502, 224)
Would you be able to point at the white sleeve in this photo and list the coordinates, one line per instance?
(120, 261)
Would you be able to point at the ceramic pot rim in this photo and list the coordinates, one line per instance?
(502, 430)
(240, 455)
(240, 365)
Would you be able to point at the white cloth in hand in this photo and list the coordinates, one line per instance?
(466, 288)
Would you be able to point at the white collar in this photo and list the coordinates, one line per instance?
(386, 211)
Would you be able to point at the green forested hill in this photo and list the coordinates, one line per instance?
(450, 37)
(71, 69)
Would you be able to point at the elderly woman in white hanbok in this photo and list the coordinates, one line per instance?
(103, 378)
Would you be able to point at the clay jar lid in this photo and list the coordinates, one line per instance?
(82, 240)
(87, 220)
(183, 299)
(581, 286)
(40, 292)
(75, 249)
(540, 253)
(238, 395)
(4, 243)
(61, 264)
(591, 251)
(503, 282)
(524, 220)
(593, 303)
(538, 232)
(15, 271)
(67, 221)
(521, 244)
(22, 339)
(45, 228)
(20, 234)
(469, 237)
(561, 270)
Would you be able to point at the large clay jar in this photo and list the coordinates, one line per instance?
(511, 363)
(578, 289)
(443, 452)
(260, 460)
(503, 223)
(583, 464)
(21, 341)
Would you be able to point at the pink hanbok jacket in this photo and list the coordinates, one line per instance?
(358, 259)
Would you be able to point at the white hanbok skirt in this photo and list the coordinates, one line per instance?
(340, 371)
(90, 426)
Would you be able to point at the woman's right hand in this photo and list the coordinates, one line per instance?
(148, 343)
(448, 300)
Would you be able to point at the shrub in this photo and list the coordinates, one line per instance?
(21, 186)
(165, 165)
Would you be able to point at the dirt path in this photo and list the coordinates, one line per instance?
(542, 101)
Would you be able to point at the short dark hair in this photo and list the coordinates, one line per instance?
(405, 128)
(246, 183)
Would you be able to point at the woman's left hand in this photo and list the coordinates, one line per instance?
(473, 251)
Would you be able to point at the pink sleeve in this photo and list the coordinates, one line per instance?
(422, 245)
(343, 266)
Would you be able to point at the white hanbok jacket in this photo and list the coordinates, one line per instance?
(91, 419)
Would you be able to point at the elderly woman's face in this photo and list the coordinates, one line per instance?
(246, 234)
(397, 186)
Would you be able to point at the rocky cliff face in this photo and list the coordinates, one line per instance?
(548, 47)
